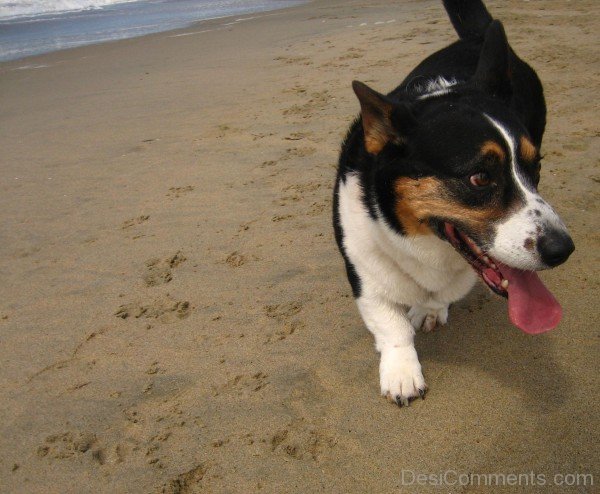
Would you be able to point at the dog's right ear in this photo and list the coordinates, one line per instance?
(379, 115)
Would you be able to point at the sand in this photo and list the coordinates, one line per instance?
(174, 314)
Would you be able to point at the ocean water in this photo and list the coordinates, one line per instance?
(32, 27)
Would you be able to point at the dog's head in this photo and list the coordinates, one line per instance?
(458, 163)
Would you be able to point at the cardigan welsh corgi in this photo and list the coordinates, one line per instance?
(437, 186)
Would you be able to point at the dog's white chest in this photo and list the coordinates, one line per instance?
(406, 269)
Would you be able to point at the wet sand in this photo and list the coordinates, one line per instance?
(174, 314)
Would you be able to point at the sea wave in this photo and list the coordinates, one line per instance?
(96, 21)
(14, 9)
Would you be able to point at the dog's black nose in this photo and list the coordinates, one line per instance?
(555, 247)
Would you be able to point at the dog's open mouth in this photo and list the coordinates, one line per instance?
(483, 265)
(531, 306)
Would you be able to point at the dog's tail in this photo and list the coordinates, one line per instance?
(470, 18)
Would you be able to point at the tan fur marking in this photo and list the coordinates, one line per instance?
(376, 135)
(420, 199)
(373, 144)
(527, 150)
(493, 148)
(378, 131)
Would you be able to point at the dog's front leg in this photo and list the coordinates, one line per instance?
(400, 373)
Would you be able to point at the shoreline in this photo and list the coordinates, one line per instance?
(195, 24)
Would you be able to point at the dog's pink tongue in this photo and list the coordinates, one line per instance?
(531, 306)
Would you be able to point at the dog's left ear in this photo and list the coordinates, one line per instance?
(382, 119)
(493, 74)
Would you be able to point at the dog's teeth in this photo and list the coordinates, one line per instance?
(493, 265)
(487, 260)
(504, 284)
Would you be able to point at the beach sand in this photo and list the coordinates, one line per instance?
(174, 314)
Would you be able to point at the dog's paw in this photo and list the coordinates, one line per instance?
(400, 375)
(426, 318)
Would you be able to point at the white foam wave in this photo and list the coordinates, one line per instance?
(13, 9)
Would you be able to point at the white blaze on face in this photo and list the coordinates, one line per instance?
(515, 243)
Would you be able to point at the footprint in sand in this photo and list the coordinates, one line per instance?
(284, 310)
(288, 329)
(189, 481)
(159, 271)
(281, 217)
(301, 441)
(295, 90)
(294, 60)
(235, 259)
(298, 136)
(135, 221)
(246, 226)
(155, 368)
(352, 53)
(318, 208)
(175, 192)
(238, 384)
(299, 152)
(303, 188)
(318, 101)
(68, 445)
(165, 309)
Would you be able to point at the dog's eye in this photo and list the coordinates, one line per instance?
(481, 179)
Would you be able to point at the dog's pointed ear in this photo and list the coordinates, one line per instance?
(380, 118)
(493, 73)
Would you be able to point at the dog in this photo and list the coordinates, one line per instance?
(437, 186)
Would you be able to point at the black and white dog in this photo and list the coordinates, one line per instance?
(437, 184)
